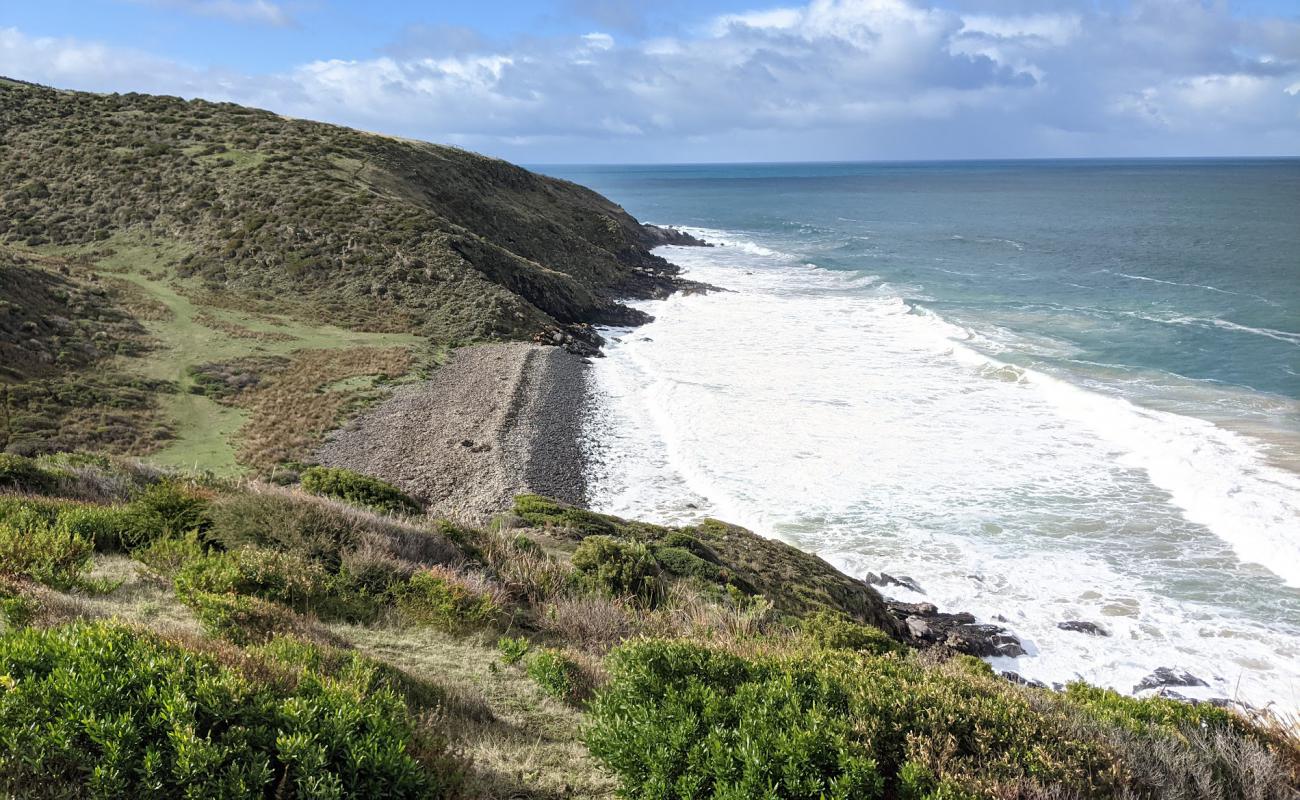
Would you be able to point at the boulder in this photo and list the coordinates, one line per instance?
(1164, 676)
(1080, 626)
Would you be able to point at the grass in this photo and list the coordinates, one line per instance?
(206, 432)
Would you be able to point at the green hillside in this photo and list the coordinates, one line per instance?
(149, 243)
(258, 211)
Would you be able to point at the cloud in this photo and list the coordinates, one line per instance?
(259, 12)
(829, 79)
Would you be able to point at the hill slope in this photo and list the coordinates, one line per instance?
(367, 231)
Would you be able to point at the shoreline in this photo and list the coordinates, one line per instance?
(497, 420)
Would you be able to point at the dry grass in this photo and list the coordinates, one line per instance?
(522, 743)
(239, 331)
(594, 623)
(290, 411)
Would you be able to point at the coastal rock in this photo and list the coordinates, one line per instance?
(1016, 677)
(1164, 676)
(885, 579)
(926, 626)
(1081, 626)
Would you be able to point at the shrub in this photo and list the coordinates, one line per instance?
(684, 720)
(1137, 714)
(16, 609)
(32, 547)
(363, 490)
(444, 600)
(167, 556)
(512, 649)
(110, 528)
(834, 631)
(682, 562)
(283, 522)
(21, 474)
(239, 618)
(541, 511)
(106, 711)
(557, 674)
(168, 508)
(283, 578)
(623, 569)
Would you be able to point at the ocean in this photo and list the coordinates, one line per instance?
(1046, 391)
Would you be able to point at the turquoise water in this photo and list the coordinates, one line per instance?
(1046, 390)
(1191, 268)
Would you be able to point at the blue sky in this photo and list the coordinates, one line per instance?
(712, 80)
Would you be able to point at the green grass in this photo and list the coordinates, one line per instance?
(205, 429)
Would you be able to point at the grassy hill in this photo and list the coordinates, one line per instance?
(166, 634)
(150, 243)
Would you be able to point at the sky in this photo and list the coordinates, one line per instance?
(677, 81)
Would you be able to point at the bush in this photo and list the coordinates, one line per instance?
(513, 649)
(283, 522)
(353, 487)
(557, 674)
(32, 547)
(623, 569)
(167, 556)
(239, 618)
(105, 711)
(283, 578)
(833, 631)
(444, 600)
(168, 509)
(110, 528)
(541, 512)
(683, 563)
(684, 720)
(21, 474)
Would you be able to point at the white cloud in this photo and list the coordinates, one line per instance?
(261, 12)
(830, 79)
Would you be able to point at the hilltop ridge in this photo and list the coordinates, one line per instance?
(369, 231)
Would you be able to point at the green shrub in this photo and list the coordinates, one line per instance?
(834, 631)
(32, 547)
(284, 578)
(683, 720)
(541, 512)
(1137, 714)
(166, 556)
(167, 509)
(362, 490)
(443, 600)
(623, 569)
(21, 474)
(513, 649)
(683, 563)
(16, 610)
(239, 618)
(557, 674)
(283, 522)
(106, 711)
(110, 528)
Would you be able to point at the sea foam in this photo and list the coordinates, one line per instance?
(829, 411)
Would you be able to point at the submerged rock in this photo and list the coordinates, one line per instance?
(1080, 626)
(1164, 676)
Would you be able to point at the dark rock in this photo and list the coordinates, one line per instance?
(1015, 677)
(912, 609)
(885, 579)
(918, 628)
(1164, 676)
(1080, 626)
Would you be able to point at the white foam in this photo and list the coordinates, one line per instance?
(836, 416)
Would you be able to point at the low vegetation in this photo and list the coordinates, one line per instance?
(162, 632)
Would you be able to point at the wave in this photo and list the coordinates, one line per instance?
(1206, 287)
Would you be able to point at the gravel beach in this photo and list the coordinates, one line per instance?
(495, 421)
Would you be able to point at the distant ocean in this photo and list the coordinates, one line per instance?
(1047, 391)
